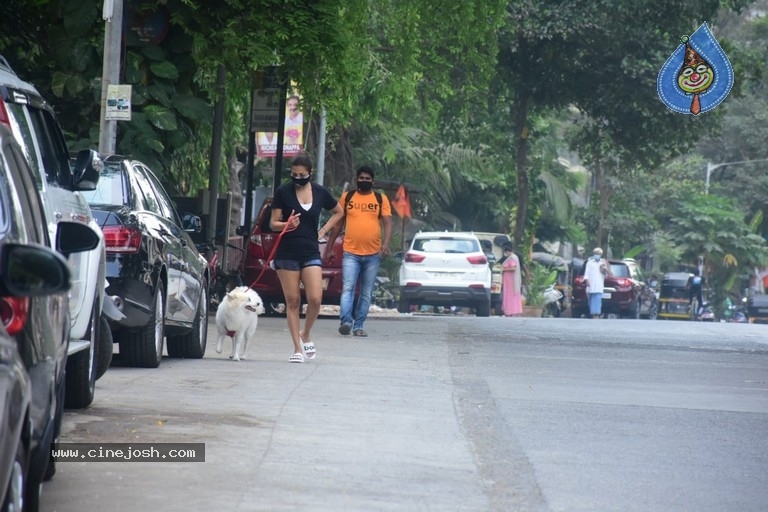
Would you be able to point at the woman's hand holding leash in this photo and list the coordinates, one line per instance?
(292, 222)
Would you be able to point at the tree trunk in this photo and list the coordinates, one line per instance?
(520, 116)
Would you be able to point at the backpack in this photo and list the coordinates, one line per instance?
(349, 200)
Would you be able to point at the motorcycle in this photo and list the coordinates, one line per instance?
(735, 313)
(552, 305)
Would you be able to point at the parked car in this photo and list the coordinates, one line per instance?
(627, 292)
(445, 269)
(35, 313)
(15, 396)
(264, 279)
(39, 134)
(153, 267)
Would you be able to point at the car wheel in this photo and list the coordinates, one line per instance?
(483, 308)
(14, 493)
(403, 306)
(81, 368)
(192, 344)
(106, 346)
(144, 347)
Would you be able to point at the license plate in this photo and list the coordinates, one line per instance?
(445, 275)
(606, 295)
(325, 284)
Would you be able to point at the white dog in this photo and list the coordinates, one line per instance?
(237, 317)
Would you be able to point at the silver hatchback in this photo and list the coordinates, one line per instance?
(445, 269)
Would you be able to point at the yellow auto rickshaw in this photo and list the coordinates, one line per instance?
(674, 302)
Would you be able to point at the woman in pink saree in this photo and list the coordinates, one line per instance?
(511, 283)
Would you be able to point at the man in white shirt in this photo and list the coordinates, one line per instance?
(594, 274)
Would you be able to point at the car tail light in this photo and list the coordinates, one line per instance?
(13, 312)
(4, 114)
(477, 286)
(255, 239)
(119, 239)
(412, 257)
(623, 284)
(412, 284)
(477, 260)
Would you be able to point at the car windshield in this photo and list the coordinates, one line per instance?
(110, 188)
(446, 245)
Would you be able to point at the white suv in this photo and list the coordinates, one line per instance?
(445, 269)
(34, 126)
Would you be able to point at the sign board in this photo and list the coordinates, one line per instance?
(118, 103)
(266, 101)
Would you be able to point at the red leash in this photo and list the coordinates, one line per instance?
(274, 248)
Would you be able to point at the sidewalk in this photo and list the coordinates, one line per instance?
(369, 425)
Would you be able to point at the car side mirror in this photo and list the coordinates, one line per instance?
(32, 271)
(191, 223)
(86, 170)
(75, 237)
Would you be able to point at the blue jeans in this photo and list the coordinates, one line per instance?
(354, 268)
(595, 303)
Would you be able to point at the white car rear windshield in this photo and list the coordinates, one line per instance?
(447, 245)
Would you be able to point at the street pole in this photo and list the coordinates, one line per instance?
(321, 148)
(110, 73)
(712, 167)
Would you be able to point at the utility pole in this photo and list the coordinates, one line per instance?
(711, 168)
(214, 172)
(110, 74)
(321, 148)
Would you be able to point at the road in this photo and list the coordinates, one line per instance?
(442, 413)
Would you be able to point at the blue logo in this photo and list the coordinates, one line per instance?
(697, 77)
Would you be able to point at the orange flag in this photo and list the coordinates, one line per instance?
(402, 203)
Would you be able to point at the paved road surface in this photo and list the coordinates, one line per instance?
(444, 414)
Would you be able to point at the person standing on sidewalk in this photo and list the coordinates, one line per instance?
(594, 275)
(296, 209)
(367, 214)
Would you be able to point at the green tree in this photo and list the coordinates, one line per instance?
(603, 57)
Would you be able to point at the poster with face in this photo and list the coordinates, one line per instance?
(293, 141)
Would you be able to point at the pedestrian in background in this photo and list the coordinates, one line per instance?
(367, 214)
(695, 289)
(594, 274)
(296, 208)
(511, 283)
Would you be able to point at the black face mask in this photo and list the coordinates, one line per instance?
(364, 186)
(300, 182)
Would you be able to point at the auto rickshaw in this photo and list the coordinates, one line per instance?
(674, 300)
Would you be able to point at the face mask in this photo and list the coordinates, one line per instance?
(597, 257)
(364, 186)
(300, 182)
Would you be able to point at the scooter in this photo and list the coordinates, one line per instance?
(552, 306)
(705, 313)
